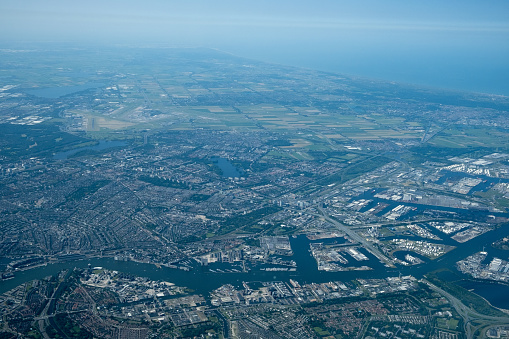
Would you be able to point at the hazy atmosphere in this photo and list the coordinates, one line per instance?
(455, 44)
(265, 169)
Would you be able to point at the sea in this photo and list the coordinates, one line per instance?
(464, 62)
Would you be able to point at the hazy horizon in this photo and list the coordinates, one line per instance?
(459, 45)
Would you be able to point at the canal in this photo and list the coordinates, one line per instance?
(201, 280)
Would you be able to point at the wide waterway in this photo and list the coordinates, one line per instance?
(203, 281)
(497, 294)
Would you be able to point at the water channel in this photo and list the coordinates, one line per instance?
(201, 280)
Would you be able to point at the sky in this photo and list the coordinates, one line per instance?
(458, 44)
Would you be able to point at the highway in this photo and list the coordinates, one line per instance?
(356, 237)
(469, 315)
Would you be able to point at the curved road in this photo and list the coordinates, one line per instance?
(469, 315)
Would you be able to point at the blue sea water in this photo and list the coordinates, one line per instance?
(459, 61)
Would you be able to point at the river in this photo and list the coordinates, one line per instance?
(203, 281)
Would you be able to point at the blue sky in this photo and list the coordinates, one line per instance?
(387, 39)
(199, 21)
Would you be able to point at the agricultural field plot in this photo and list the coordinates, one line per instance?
(471, 137)
(308, 111)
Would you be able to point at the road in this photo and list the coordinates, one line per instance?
(469, 315)
(356, 237)
(226, 331)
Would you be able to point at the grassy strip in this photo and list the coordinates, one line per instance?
(239, 221)
(82, 192)
(468, 298)
(157, 181)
